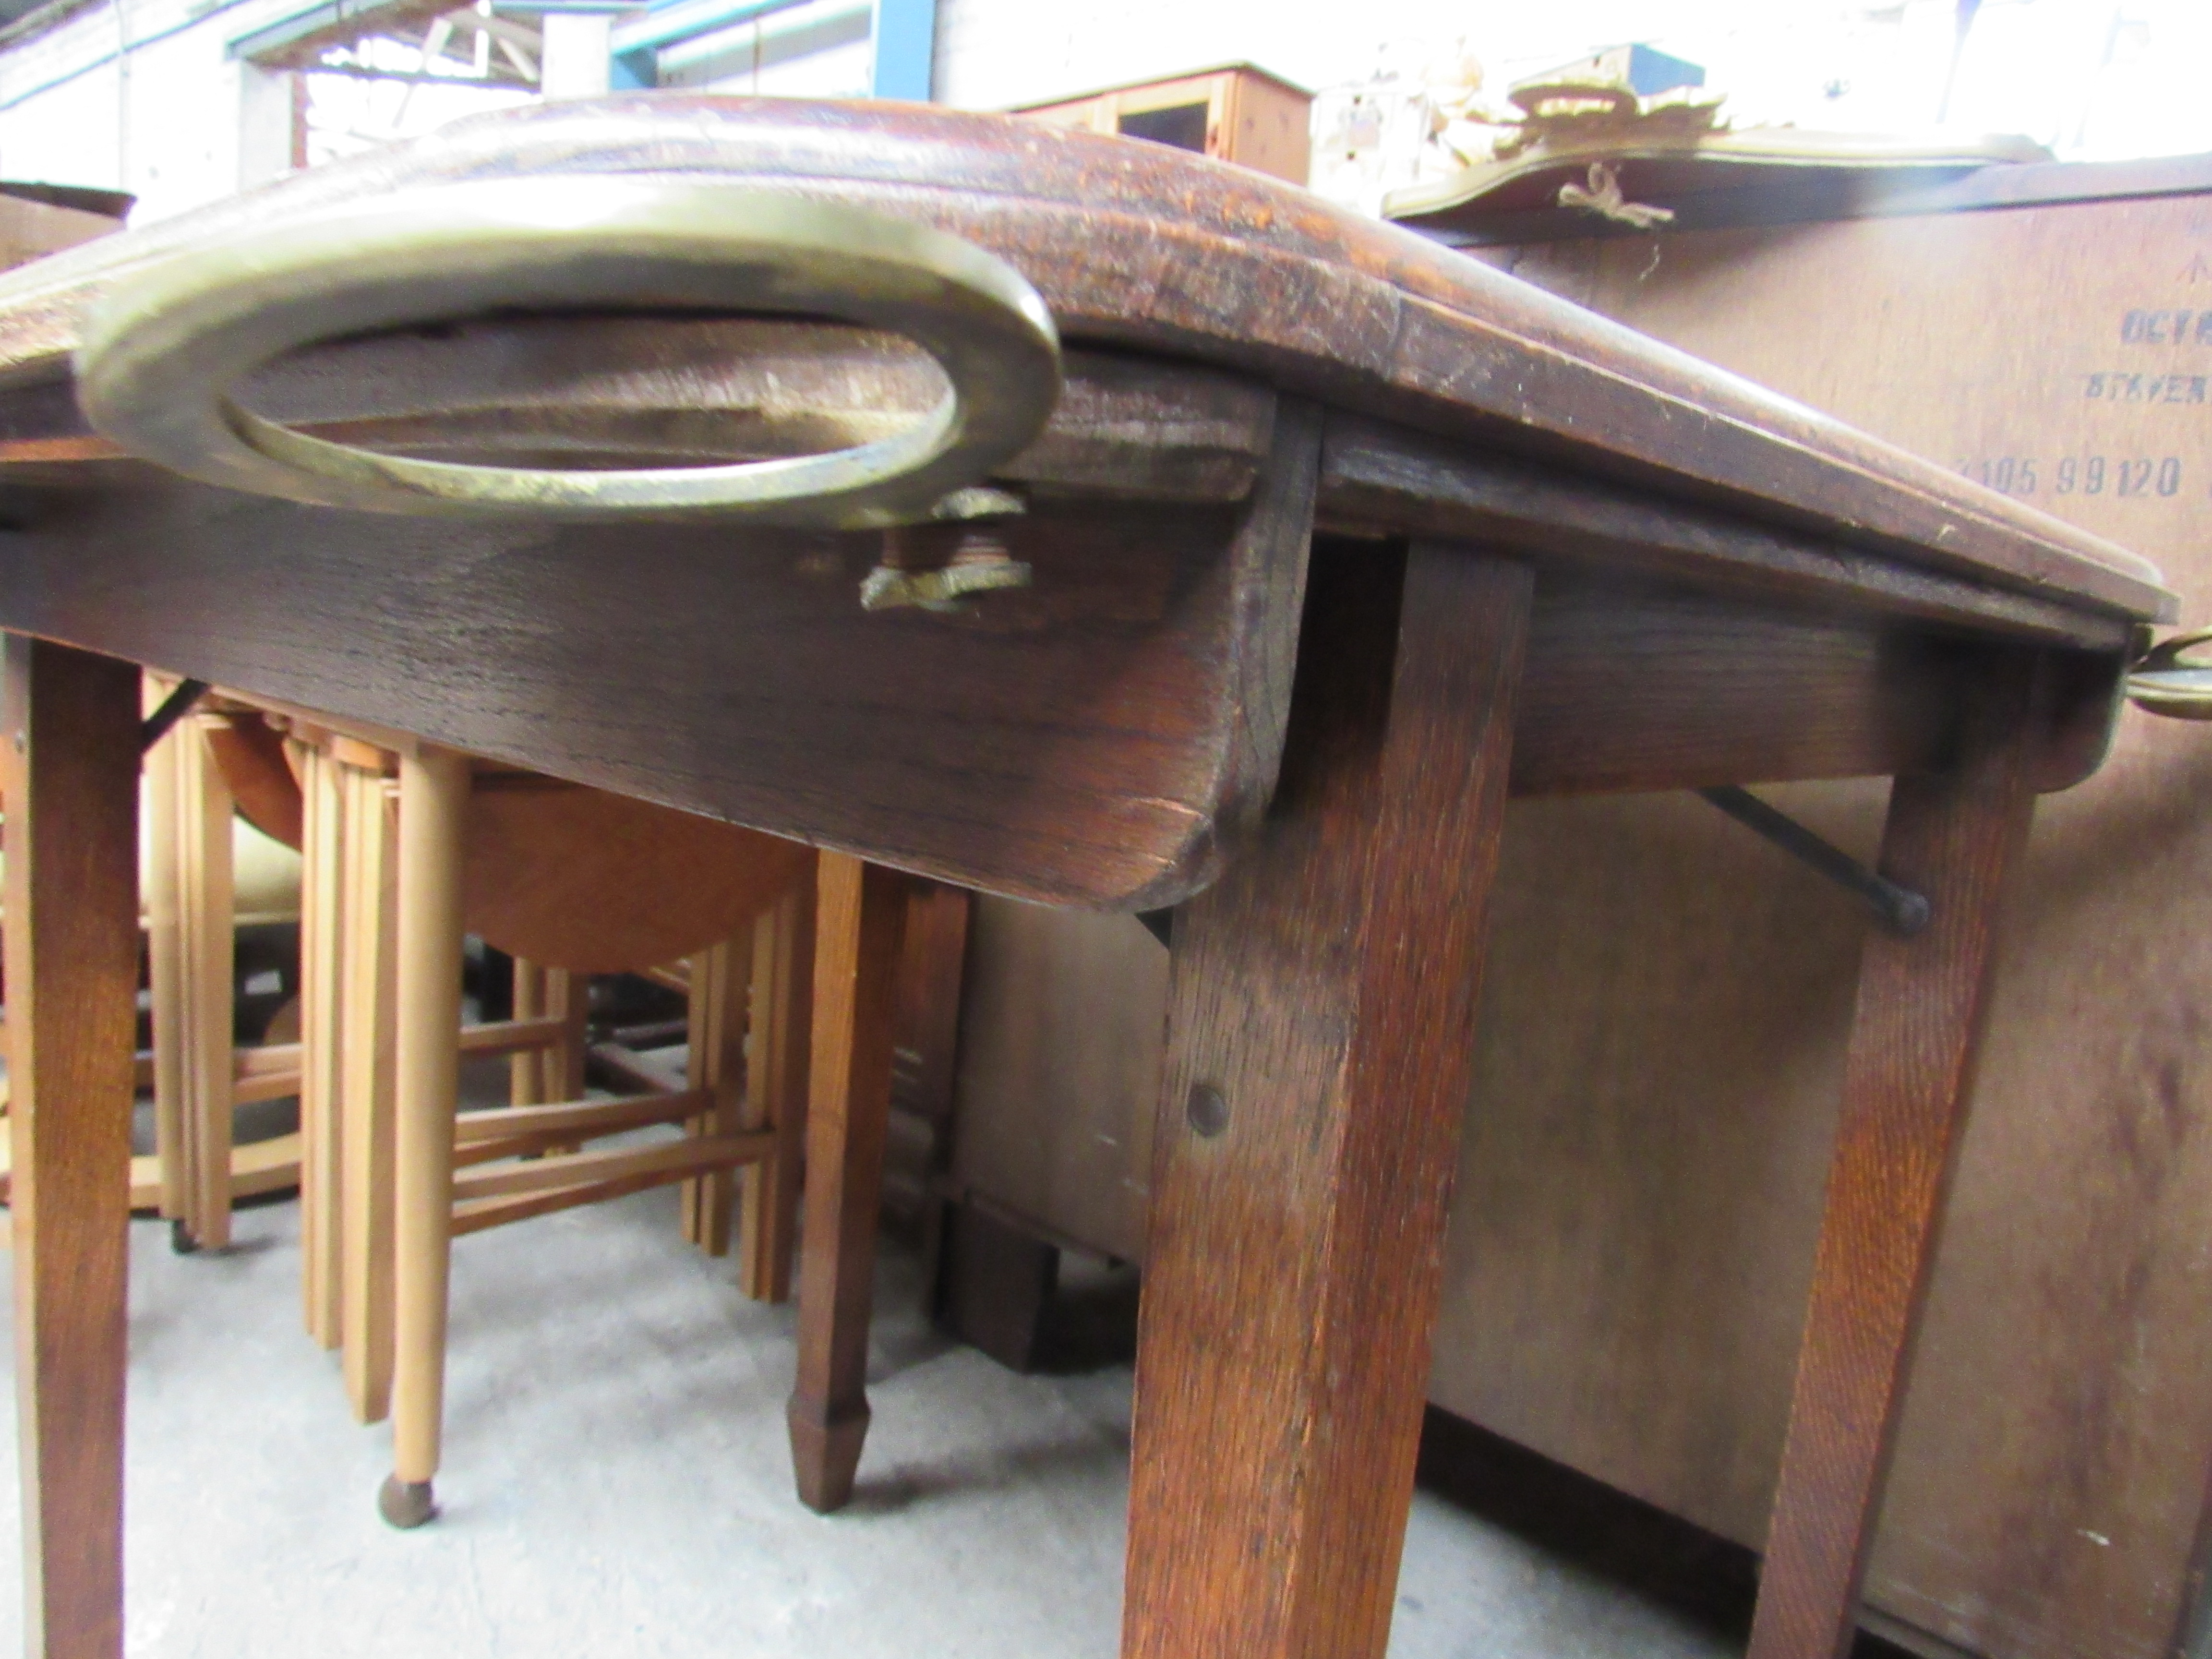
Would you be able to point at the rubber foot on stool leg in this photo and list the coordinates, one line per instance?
(405, 1504)
(180, 1238)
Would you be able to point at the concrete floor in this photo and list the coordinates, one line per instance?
(616, 1482)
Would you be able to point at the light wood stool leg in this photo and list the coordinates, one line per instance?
(525, 1067)
(322, 934)
(434, 801)
(1321, 1042)
(164, 961)
(569, 1000)
(861, 910)
(701, 1002)
(366, 1108)
(715, 1061)
(1907, 1079)
(777, 1055)
(207, 911)
(69, 776)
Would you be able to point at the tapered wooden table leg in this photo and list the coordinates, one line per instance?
(69, 776)
(860, 912)
(434, 799)
(1320, 1032)
(1906, 1080)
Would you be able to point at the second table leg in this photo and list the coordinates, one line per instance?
(1320, 1034)
(860, 911)
(1907, 1078)
(71, 790)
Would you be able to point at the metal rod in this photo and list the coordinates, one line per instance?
(1901, 909)
(174, 707)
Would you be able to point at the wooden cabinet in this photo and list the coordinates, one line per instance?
(1237, 114)
(1669, 998)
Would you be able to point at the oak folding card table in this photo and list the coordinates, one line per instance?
(1067, 517)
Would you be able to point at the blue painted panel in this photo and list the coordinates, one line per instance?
(906, 49)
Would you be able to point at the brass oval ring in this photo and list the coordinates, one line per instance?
(162, 350)
(2168, 681)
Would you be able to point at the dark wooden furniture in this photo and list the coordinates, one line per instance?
(2049, 1495)
(1335, 539)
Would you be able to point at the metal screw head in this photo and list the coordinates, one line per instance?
(1205, 1108)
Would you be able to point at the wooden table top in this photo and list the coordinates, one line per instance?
(1141, 246)
(1730, 587)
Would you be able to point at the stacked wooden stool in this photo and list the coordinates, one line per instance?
(406, 845)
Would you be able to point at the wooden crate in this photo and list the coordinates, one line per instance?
(1237, 114)
(1668, 998)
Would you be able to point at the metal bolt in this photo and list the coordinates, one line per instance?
(1206, 1109)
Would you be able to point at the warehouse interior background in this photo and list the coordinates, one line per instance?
(2067, 1367)
(171, 101)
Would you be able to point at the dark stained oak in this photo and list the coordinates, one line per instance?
(1393, 479)
(1096, 739)
(1953, 835)
(1142, 246)
(860, 911)
(69, 772)
(1324, 993)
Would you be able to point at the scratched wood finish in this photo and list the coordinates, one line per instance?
(1096, 738)
(860, 911)
(1140, 245)
(1326, 989)
(70, 774)
(1954, 836)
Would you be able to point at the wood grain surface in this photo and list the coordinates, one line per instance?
(1644, 686)
(1953, 836)
(1324, 991)
(70, 774)
(1381, 479)
(1095, 739)
(1141, 246)
(597, 883)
